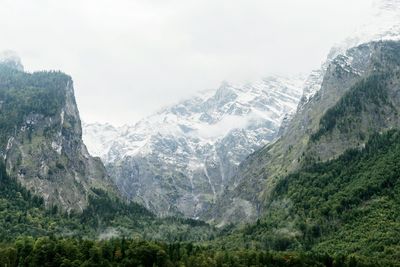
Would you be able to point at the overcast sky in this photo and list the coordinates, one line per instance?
(128, 58)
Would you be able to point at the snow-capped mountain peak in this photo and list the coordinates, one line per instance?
(186, 153)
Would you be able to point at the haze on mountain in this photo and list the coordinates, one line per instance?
(287, 170)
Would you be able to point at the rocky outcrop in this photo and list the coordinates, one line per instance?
(42, 139)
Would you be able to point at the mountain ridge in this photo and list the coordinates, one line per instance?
(260, 172)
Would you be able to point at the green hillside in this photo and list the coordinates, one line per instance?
(346, 206)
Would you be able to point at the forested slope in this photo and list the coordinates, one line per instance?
(345, 206)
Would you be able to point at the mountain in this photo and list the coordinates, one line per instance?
(323, 190)
(41, 137)
(358, 97)
(303, 137)
(49, 184)
(180, 159)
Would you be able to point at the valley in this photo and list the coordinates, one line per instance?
(284, 171)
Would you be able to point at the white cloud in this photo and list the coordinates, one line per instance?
(221, 128)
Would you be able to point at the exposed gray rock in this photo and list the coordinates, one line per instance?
(181, 159)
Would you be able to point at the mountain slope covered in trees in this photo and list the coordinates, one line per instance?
(345, 206)
(359, 96)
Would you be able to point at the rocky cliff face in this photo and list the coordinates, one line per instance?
(41, 138)
(181, 159)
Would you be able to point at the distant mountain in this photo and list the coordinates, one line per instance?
(41, 137)
(180, 159)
